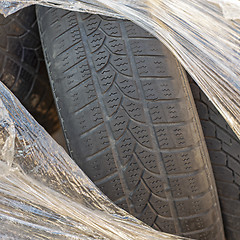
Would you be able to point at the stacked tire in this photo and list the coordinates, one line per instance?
(22, 66)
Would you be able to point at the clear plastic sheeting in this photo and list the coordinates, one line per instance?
(44, 194)
(230, 8)
(198, 32)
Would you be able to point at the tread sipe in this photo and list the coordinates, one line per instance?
(130, 121)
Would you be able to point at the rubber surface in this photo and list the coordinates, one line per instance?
(22, 66)
(130, 121)
(224, 149)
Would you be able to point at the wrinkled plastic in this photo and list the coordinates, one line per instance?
(230, 8)
(201, 34)
(45, 195)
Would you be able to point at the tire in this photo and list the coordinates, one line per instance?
(130, 122)
(22, 66)
(224, 149)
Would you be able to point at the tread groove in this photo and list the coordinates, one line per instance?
(161, 167)
(115, 154)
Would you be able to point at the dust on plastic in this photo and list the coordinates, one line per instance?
(203, 34)
(44, 194)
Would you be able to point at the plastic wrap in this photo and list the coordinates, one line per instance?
(198, 32)
(44, 194)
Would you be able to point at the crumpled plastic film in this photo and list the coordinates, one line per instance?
(45, 195)
(199, 33)
(230, 8)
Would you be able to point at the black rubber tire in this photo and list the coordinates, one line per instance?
(130, 121)
(22, 66)
(224, 149)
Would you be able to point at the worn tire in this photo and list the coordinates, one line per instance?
(224, 149)
(22, 66)
(130, 120)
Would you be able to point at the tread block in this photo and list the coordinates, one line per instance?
(116, 46)
(237, 179)
(3, 38)
(213, 144)
(112, 188)
(123, 204)
(161, 206)
(155, 184)
(223, 174)
(81, 95)
(15, 29)
(112, 100)
(148, 66)
(182, 162)
(30, 57)
(195, 90)
(88, 142)
(225, 137)
(132, 173)
(148, 215)
(189, 185)
(134, 31)
(134, 109)
(147, 158)
(143, 47)
(233, 149)
(234, 164)
(218, 120)
(127, 86)
(211, 232)
(202, 110)
(69, 61)
(11, 69)
(91, 24)
(29, 40)
(199, 222)
(228, 190)
(165, 225)
(96, 40)
(233, 221)
(208, 129)
(167, 112)
(125, 147)
(106, 78)
(121, 64)
(230, 206)
(88, 118)
(119, 123)
(156, 90)
(218, 157)
(189, 207)
(101, 166)
(15, 47)
(140, 197)
(141, 133)
(177, 136)
(111, 28)
(64, 24)
(67, 40)
(70, 80)
(25, 79)
(100, 58)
